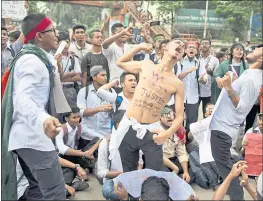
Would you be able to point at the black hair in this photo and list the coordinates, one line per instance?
(15, 34)
(3, 28)
(231, 53)
(91, 34)
(115, 26)
(220, 54)
(205, 39)
(208, 104)
(165, 41)
(63, 35)
(73, 111)
(223, 49)
(30, 22)
(154, 188)
(117, 117)
(124, 74)
(78, 26)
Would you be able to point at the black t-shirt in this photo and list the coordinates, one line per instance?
(90, 60)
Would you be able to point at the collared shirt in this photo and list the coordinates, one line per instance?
(67, 66)
(113, 53)
(30, 96)
(191, 95)
(97, 125)
(71, 139)
(213, 64)
(226, 117)
(6, 54)
(79, 51)
(125, 102)
(174, 147)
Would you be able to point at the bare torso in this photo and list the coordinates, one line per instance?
(152, 93)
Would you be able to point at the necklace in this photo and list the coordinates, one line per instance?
(101, 58)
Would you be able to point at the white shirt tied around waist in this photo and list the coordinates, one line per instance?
(118, 135)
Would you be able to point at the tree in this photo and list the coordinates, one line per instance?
(238, 14)
(66, 15)
(167, 10)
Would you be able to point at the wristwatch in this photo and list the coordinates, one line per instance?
(76, 166)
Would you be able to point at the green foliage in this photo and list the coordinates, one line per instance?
(66, 15)
(238, 14)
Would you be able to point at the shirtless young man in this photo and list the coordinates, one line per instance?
(140, 127)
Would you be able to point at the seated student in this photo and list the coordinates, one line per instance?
(174, 148)
(257, 130)
(67, 141)
(209, 108)
(110, 169)
(70, 170)
(152, 185)
(237, 169)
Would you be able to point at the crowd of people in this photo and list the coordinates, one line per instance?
(133, 109)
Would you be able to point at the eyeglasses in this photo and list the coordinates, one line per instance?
(167, 115)
(53, 29)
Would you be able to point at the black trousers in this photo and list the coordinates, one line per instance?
(44, 174)
(204, 101)
(251, 117)
(85, 145)
(220, 145)
(129, 152)
(191, 111)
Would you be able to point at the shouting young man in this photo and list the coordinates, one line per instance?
(140, 127)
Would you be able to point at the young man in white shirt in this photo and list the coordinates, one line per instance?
(67, 140)
(189, 75)
(128, 83)
(71, 72)
(32, 127)
(236, 100)
(95, 112)
(208, 65)
(79, 47)
(114, 47)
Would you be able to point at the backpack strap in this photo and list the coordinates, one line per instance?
(87, 91)
(72, 63)
(77, 136)
(65, 133)
(12, 51)
(197, 75)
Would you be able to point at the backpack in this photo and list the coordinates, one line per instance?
(66, 133)
(206, 174)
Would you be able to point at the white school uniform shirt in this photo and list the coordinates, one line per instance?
(30, 96)
(97, 125)
(213, 63)
(113, 53)
(71, 139)
(66, 64)
(227, 118)
(191, 95)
